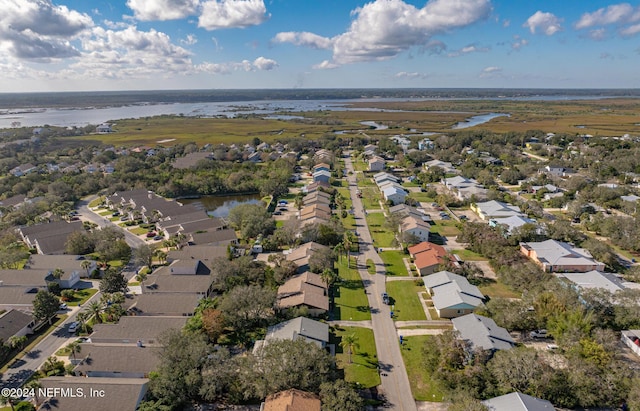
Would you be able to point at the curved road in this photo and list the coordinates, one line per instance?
(395, 382)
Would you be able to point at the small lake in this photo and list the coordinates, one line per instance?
(475, 120)
(219, 206)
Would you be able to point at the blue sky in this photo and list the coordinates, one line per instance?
(69, 45)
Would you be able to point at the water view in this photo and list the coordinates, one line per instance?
(219, 206)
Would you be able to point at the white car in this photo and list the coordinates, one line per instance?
(539, 334)
(73, 327)
(63, 306)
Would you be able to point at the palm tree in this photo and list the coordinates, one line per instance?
(95, 309)
(82, 318)
(86, 264)
(350, 343)
(141, 277)
(347, 242)
(4, 399)
(339, 249)
(57, 273)
(16, 342)
(74, 348)
(160, 255)
(35, 385)
(328, 277)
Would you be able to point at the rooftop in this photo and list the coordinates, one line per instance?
(482, 332)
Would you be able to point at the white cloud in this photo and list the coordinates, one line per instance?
(412, 75)
(385, 28)
(547, 23)
(190, 40)
(325, 65)
(303, 38)
(490, 72)
(39, 30)
(223, 14)
(506, 23)
(471, 48)
(622, 13)
(631, 30)
(148, 10)
(597, 34)
(518, 43)
(262, 63)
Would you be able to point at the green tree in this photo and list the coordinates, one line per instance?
(350, 343)
(86, 265)
(94, 309)
(67, 295)
(113, 282)
(248, 306)
(74, 348)
(45, 306)
(143, 255)
(339, 395)
(17, 342)
(57, 273)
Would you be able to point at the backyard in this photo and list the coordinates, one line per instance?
(350, 301)
(394, 264)
(363, 369)
(381, 236)
(422, 387)
(405, 301)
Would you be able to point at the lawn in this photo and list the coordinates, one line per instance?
(364, 360)
(468, 255)
(139, 230)
(445, 228)
(96, 202)
(350, 301)
(81, 296)
(422, 197)
(422, 387)
(393, 262)
(405, 301)
(346, 194)
(497, 289)
(105, 213)
(359, 165)
(381, 236)
(371, 198)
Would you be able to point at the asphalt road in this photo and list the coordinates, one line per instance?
(85, 214)
(393, 374)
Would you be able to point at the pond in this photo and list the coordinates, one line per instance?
(475, 120)
(219, 206)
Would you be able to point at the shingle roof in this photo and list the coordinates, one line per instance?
(120, 358)
(134, 328)
(292, 400)
(482, 332)
(517, 401)
(300, 327)
(119, 393)
(450, 290)
(559, 253)
(27, 277)
(11, 322)
(166, 304)
(595, 279)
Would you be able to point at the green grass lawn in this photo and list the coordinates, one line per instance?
(350, 301)
(364, 361)
(81, 296)
(371, 266)
(468, 255)
(96, 202)
(422, 197)
(381, 235)
(139, 230)
(498, 289)
(344, 192)
(359, 165)
(422, 387)
(371, 198)
(406, 304)
(445, 227)
(393, 262)
(105, 213)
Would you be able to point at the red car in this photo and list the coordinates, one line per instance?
(151, 234)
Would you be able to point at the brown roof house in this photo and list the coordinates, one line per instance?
(304, 290)
(427, 257)
(300, 256)
(291, 400)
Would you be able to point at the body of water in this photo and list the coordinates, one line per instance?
(219, 206)
(476, 120)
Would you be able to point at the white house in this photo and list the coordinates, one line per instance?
(394, 194)
(376, 163)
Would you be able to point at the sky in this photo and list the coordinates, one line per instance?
(85, 45)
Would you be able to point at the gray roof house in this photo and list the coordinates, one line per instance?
(49, 238)
(482, 333)
(297, 328)
(594, 279)
(17, 298)
(123, 394)
(107, 361)
(452, 295)
(517, 401)
(557, 256)
(161, 304)
(495, 209)
(15, 323)
(131, 329)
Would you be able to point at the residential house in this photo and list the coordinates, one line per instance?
(382, 177)
(291, 400)
(557, 256)
(517, 401)
(104, 128)
(108, 361)
(163, 304)
(116, 393)
(482, 333)
(321, 166)
(428, 257)
(17, 298)
(446, 166)
(511, 223)
(549, 188)
(407, 210)
(23, 170)
(317, 196)
(425, 144)
(133, 329)
(452, 294)
(255, 157)
(322, 176)
(376, 163)
(300, 328)
(213, 238)
(631, 338)
(304, 290)
(15, 323)
(71, 265)
(494, 209)
(13, 201)
(49, 238)
(394, 194)
(323, 156)
(25, 279)
(556, 171)
(191, 160)
(301, 255)
(416, 227)
(594, 279)
(465, 189)
(632, 198)
(181, 277)
(316, 186)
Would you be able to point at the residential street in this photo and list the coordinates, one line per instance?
(395, 382)
(86, 214)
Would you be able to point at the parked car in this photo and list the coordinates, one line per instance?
(463, 217)
(73, 327)
(158, 237)
(151, 234)
(277, 213)
(124, 218)
(385, 298)
(116, 214)
(538, 334)
(63, 306)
